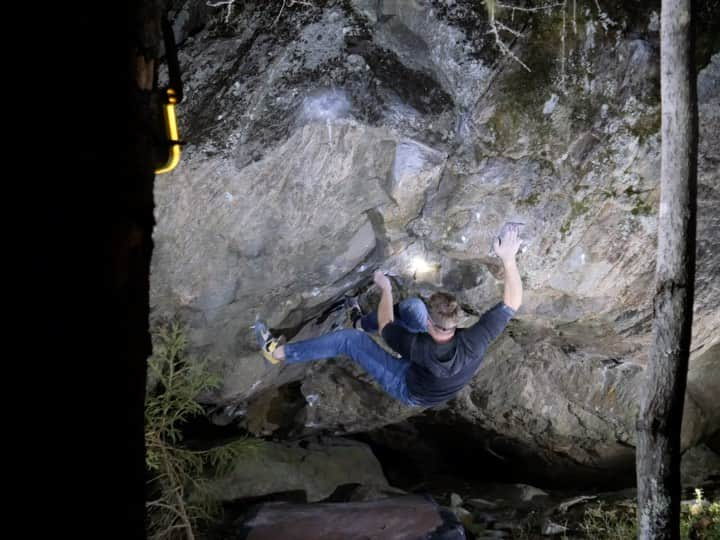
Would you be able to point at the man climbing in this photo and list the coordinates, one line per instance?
(436, 359)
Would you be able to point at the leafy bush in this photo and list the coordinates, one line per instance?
(699, 521)
(179, 496)
(617, 523)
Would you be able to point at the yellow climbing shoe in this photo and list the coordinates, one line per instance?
(266, 342)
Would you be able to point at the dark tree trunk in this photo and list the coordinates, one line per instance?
(130, 240)
(661, 408)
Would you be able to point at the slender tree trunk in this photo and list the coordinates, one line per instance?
(661, 408)
(131, 222)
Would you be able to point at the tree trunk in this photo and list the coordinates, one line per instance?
(661, 408)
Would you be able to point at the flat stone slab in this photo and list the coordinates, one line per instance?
(397, 518)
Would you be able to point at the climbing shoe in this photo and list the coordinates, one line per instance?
(353, 311)
(266, 342)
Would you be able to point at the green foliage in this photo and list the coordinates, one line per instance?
(647, 126)
(609, 193)
(577, 208)
(531, 200)
(602, 522)
(179, 493)
(641, 208)
(699, 521)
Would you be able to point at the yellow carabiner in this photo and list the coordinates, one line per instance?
(171, 131)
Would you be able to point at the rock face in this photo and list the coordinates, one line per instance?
(700, 467)
(316, 467)
(355, 135)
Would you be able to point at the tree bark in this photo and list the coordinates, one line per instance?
(661, 408)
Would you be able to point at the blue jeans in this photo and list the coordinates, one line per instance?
(386, 369)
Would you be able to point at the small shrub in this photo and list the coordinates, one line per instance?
(601, 522)
(699, 521)
(179, 494)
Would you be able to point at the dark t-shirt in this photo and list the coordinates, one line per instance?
(438, 371)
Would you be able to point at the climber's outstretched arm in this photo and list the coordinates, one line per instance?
(506, 248)
(385, 309)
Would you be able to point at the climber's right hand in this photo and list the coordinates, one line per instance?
(382, 281)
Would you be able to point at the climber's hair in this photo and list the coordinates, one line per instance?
(444, 310)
